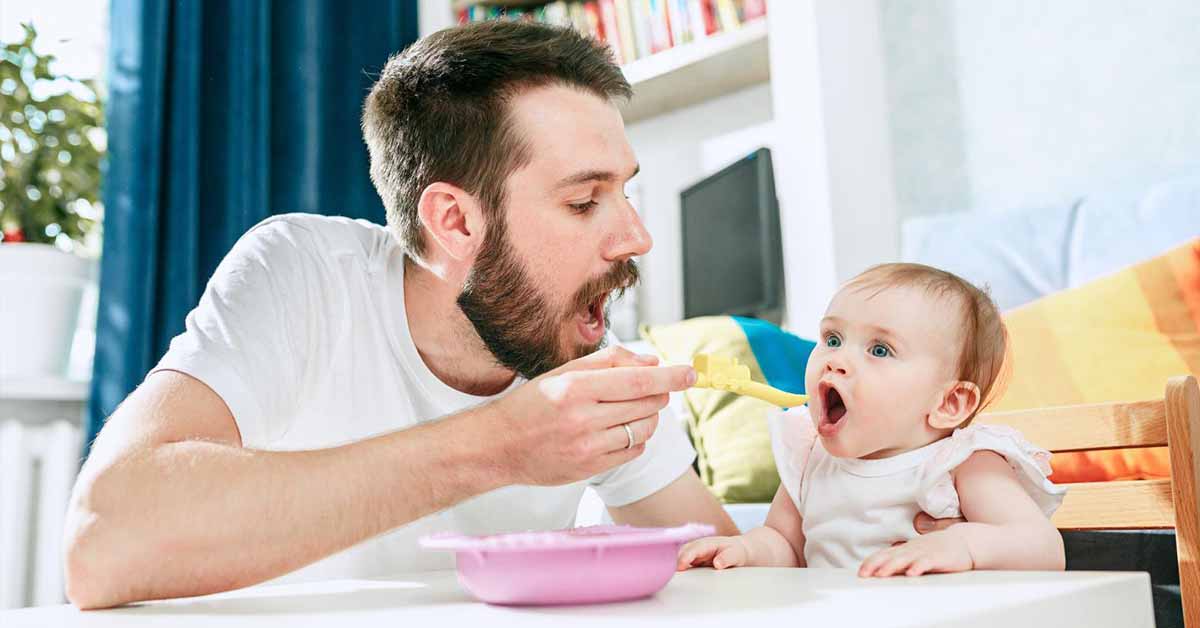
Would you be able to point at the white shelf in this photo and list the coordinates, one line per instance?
(692, 73)
(44, 389)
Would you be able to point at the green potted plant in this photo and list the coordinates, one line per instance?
(52, 142)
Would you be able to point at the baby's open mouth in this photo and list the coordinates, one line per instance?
(833, 409)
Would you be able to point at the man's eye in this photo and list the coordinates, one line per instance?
(832, 341)
(880, 350)
(583, 208)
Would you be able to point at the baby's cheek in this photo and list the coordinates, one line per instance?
(812, 372)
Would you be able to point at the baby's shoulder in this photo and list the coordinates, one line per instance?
(1030, 463)
(1002, 440)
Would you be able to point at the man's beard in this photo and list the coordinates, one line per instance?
(521, 330)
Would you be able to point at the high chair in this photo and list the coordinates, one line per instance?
(1173, 421)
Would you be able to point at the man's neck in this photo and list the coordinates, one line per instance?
(445, 339)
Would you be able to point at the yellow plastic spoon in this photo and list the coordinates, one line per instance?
(722, 372)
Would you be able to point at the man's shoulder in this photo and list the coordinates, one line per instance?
(326, 227)
(323, 236)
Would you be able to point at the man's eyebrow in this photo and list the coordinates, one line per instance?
(594, 175)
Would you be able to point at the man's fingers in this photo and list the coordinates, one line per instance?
(614, 413)
(641, 429)
(624, 383)
(620, 456)
(608, 357)
(924, 524)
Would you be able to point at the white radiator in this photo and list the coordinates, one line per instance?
(38, 463)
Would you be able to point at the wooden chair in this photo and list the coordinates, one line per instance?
(1173, 421)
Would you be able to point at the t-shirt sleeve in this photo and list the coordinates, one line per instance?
(668, 455)
(246, 338)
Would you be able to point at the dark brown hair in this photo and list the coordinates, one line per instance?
(985, 338)
(439, 111)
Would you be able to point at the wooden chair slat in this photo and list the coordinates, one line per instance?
(1113, 505)
(1089, 427)
(1174, 421)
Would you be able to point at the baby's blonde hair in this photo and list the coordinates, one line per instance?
(985, 338)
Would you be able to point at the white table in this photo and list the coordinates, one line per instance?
(738, 598)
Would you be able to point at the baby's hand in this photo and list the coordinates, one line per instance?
(938, 552)
(719, 551)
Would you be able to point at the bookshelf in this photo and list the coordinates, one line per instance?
(692, 73)
(683, 75)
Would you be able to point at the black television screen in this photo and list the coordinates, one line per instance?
(732, 252)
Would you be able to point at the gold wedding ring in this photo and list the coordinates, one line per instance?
(629, 435)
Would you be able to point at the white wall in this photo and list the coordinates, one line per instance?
(433, 16)
(1026, 103)
(675, 150)
(832, 165)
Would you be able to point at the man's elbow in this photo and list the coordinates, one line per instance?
(93, 574)
(89, 579)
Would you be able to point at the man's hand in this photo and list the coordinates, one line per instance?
(924, 524)
(568, 424)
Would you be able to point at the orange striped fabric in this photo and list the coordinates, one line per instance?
(1118, 338)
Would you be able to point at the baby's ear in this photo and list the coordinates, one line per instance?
(958, 402)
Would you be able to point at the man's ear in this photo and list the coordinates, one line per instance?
(957, 403)
(451, 219)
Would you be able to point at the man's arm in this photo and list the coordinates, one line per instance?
(684, 500)
(170, 504)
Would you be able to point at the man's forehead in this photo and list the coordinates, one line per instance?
(571, 132)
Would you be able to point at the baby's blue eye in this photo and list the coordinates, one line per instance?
(880, 351)
(832, 341)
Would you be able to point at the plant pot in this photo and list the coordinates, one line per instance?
(40, 291)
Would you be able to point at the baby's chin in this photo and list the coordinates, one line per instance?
(838, 449)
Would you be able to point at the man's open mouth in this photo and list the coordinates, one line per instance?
(591, 319)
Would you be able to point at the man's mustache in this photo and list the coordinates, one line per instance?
(623, 276)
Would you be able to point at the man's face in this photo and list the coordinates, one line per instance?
(538, 292)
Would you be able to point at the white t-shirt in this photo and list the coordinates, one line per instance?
(302, 331)
(851, 508)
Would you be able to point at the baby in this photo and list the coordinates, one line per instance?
(907, 356)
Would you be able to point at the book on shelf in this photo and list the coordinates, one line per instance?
(633, 29)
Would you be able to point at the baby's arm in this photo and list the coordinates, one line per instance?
(778, 543)
(1005, 529)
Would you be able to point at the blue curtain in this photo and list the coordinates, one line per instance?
(221, 113)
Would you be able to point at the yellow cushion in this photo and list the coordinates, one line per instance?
(729, 431)
(1118, 338)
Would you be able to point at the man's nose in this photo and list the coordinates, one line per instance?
(630, 239)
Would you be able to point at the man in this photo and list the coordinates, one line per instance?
(342, 389)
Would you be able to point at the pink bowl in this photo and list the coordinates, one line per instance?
(579, 566)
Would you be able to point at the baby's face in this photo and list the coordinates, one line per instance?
(882, 363)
